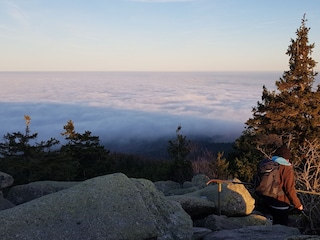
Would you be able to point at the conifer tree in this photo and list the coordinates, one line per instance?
(220, 166)
(178, 150)
(293, 112)
(23, 157)
(86, 151)
(18, 144)
(289, 116)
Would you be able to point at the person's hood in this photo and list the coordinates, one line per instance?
(281, 160)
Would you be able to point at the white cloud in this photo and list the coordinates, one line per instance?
(120, 106)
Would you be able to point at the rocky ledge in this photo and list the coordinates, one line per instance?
(116, 207)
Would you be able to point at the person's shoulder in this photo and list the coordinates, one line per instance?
(285, 166)
(286, 169)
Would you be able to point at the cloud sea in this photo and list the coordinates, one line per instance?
(120, 106)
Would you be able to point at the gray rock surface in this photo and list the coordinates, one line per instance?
(199, 233)
(167, 186)
(235, 199)
(200, 180)
(196, 207)
(181, 191)
(171, 188)
(304, 237)
(218, 223)
(6, 180)
(5, 204)
(24, 193)
(109, 207)
(274, 232)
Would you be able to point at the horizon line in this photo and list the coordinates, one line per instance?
(146, 71)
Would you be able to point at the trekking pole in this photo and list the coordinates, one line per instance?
(219, 181)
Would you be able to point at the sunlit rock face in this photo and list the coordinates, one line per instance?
(106, 207)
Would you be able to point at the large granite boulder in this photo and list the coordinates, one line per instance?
(5, 204)
(6, 180)
(198, 181)
(199, 233)
(196, 207)
(218, 223)
(24, 193)
(171, 188)
(109, 207)
(235, 199)
(166, 186)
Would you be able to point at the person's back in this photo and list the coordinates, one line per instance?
(279, 205)
(267, 179)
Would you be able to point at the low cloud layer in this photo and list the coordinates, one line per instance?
(121, 106)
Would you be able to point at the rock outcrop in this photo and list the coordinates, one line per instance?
(235, 199)
(196, 207)
(274, 232)
(6, 180)
(218, 223)
(5, 204)
(171, 188)
(166, 186)
(107, 207)
(24, 193)
(117, 207)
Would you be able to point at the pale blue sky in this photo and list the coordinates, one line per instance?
(152, 35)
